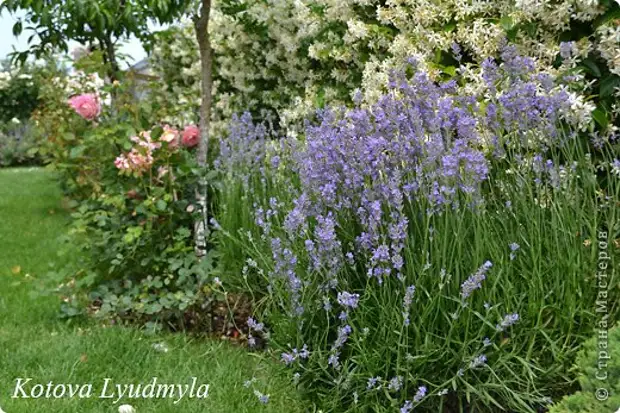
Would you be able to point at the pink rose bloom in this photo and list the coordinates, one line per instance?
(191, 136)
(86, 105)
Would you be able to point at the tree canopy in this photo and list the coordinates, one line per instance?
(99, 24)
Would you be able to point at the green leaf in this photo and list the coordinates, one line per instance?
(612, 14)
(591, 67)
(161, 205)
(450, 70)
(154, 308)
(449, 27)
(506, 22)
(17, 28)
(600, 116)
(211, 175)
(76, 151)
(608, 84)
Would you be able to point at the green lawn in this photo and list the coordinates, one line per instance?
(35, 343)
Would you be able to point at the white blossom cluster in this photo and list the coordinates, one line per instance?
(79, 82)
(5, 80)
(609, 45)
(176, 60)
(9, 75)
(295, 55)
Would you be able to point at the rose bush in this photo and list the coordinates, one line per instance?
(129, 180)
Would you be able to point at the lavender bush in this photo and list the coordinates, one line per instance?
(426, 252)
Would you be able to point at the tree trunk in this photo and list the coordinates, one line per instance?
(201, 24)
(110, 58)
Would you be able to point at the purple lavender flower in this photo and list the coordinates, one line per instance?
(343, 335)
(478, 362)
(327, 305)
(285, 263)
(408, 299)
(348, 300)
(597, 140)
(288, 358)
(508, 321)
(244, 149)
(420, 143)
(456, 51)
(407, 407)
(396, 383)
(615, 167)
(490, 73)
(486, 342)
(372, 382)
(474, 282)
(420, 394)
(334, 360)
(513, 249)
(567, 49)
(304, 353)
(253, 325)
(263, 398)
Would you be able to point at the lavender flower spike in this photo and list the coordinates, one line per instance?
(420, 394)
(509, 320)
(474, 282)
(396, 383)
(348, 300)
(479, 361)
(407, 407)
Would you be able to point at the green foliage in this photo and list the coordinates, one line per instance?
(134, 230)
(91, 22)
(598, 366)
(602, 79)
(544, 285)
(131, 226)
(47, 348)
(18, 145)
(23, 91)
(135, 235)
(19, 94)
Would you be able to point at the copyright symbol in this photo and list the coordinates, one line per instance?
(601, 394)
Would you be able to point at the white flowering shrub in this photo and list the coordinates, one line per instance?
(19, 94)
(294, 55)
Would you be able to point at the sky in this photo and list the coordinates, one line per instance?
(131, 48)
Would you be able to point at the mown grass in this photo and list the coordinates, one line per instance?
(35, 343)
